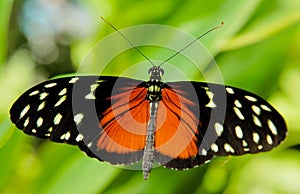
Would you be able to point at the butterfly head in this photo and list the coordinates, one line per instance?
(156, 73)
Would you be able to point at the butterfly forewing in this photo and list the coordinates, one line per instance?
(44, 111)
(251, 125)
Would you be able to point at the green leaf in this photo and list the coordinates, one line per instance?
(81, 175)
(269, 24)
(6, 132)
(5, 12)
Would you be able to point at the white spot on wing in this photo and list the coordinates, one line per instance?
(219, 129)
(255, 137)
(33, 130)
(61, 100)
(62, 92)
(90, 96)
(57, 119)
(63, 136)
(256, 121)
(272, 127)
(260, 147)
(237, 104)
(94, 87)
(34, 93)
(39, 122)
(89, 144)
(251, 98)
(79, 137)
(50, 129)
(204, 152)
(43, 95)
(50, 85)
(26, 122)
(238, 113)
(229, 90)
(245, 144)
(256, 109)
(41, 106)
(73, 80)
(228, 148)
(78, 118)
(24, 111)
(239, 132)
(68, 135)
(205, 88)
(214, 147)
(269, 140)
(265, 107)
(211, 103)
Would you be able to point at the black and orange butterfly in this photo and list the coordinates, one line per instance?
(121, 120)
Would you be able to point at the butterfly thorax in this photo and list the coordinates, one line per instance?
(155, 85)
(154, 90)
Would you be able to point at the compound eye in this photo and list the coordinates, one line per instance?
(150, 71)
(161, 72)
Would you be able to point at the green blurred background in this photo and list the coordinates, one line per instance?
(258, 49)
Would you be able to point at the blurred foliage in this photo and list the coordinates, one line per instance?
(258, 49)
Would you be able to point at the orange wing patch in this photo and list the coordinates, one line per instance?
(176, 133)
(125, 122)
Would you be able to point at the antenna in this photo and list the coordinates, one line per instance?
(172, 56)
(138, 50)
(212, 29)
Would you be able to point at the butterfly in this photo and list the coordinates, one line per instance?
(122, 120)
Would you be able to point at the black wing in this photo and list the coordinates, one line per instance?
(68, 109)
(232, 121)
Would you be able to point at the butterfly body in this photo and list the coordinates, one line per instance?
(121, 120)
